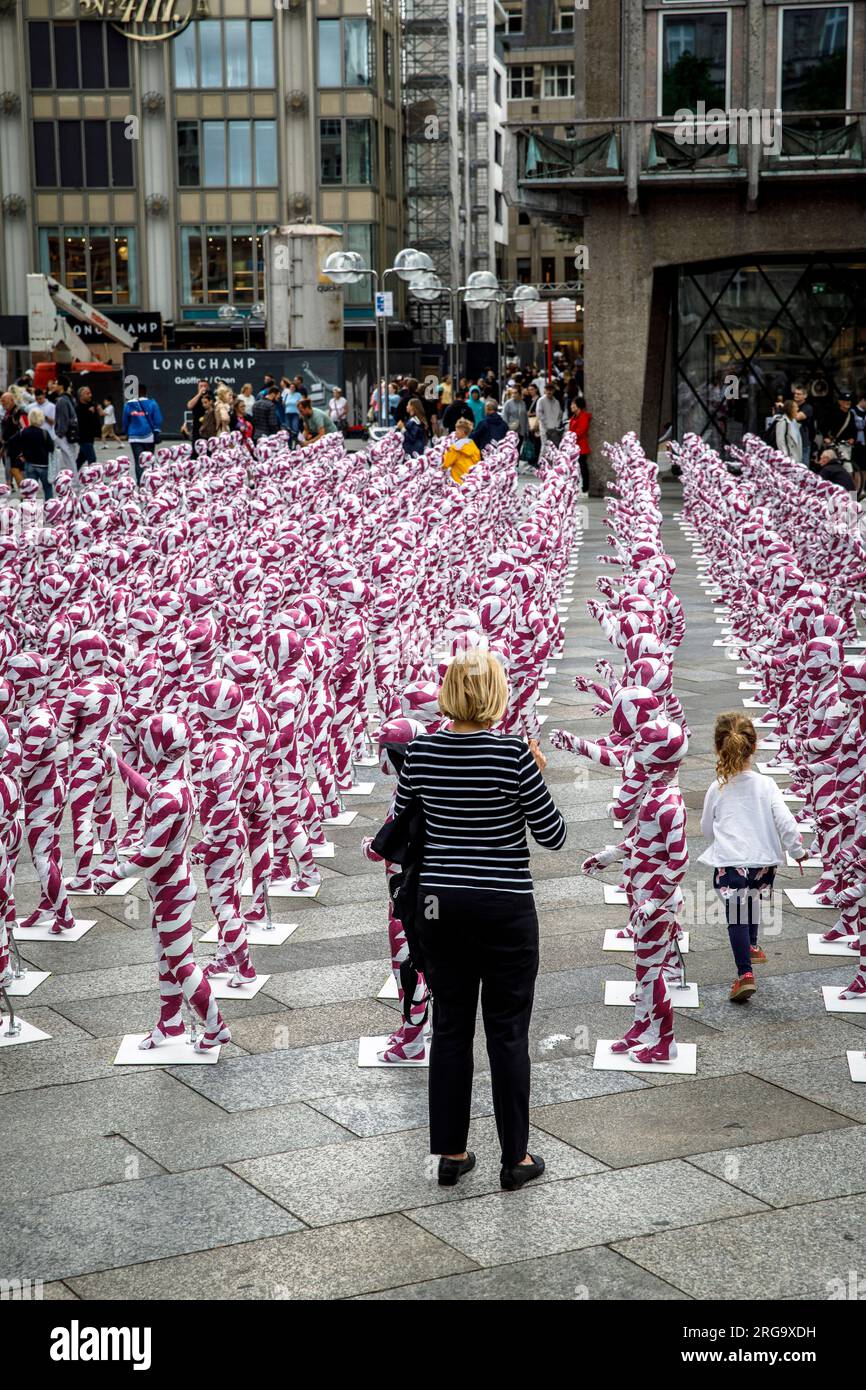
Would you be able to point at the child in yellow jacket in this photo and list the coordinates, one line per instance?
(463, 454)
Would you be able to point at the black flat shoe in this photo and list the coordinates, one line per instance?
(450, 1169)
(510, 1179)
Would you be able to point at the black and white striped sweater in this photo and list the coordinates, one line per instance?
(479, 793)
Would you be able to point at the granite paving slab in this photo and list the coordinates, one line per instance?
(98, 1107)
(231, 1138)
(581, 1212)
(103, 1227)
(788, 1172)
(801, 1252)
(335, 1262)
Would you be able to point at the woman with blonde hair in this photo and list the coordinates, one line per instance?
(223, 409)
(747, 823)
(463, 454)
(478, 792)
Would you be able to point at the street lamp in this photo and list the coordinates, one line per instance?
(408, 264)
(347, 268)
(521, 294)
(230, 313)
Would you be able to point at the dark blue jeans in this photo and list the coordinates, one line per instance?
(39, 471)
(741, 890)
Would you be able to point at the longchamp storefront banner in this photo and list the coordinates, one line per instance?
(172, 378)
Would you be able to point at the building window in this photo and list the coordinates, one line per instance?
(82, 154)
(497, 147)
(498, 206)
(331, 150)
(521, 82)
(222, 265)
(694, 61)
(524, 270)
(227, 154)
(497, 88)
(390, 161)
(524, 220)
(224, 53)
(548, 270)
(348, 151)
(514, 19)
(557, 80)
(346, 53)
(813, 71)
(388, 65)
(99, 263)
(86, 56)
(563, 19)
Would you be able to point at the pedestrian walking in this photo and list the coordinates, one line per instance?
(32, 449)
(578, 425)
(109, 421)
(338, 409)
(416, 432)
(66, 429)
(266, 421)
(142, 425)
(89, 426)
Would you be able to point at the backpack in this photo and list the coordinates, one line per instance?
(769, 434)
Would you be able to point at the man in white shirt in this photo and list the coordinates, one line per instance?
(549, 413)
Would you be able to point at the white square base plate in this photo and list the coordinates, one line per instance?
(769, 744)
(369, 1048)
(360, 789)
(221, 989)
(857, 1065)
(834, 1005)
(748, 685)
(545, 701)
(544, 685)
(178, 1053)
(326, 851)
(805, 898)
(768, 722)
(389, 989)
(550, 670)
(344, 818)
(612, 942)
(279, 888)
(685, 1063)
(30, 980)
(46, 934)
(614, 897)
(117, 890)
(755, 704)
(817, 947)
(616, 992)
(793, 799)
(784, 771)
(259, 936)
(807, 863)
(27, 1034)
(366, 762)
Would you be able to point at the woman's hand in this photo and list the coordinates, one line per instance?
(540, 760)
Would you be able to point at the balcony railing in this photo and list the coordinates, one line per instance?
(633, 152)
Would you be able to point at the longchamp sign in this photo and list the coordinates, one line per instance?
(146, 21)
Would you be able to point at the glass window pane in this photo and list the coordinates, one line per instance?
(75, 260)
(239, 154)
(694, 61)
(96, 155)
(359, 152)
(331, 150)
(39, 41)
(266, 153)
(50, 244)
(125, 270)
(71, 166)
(213, 134)
(92, 64)
(65, 55)
(44, 154)
(121, 156)
(101, 291)
(188, 168)
(358, 52)
(191, 269)
(390, 161)
(359, 237)
(388, 66)
(217, 265)
(330, 74)
(210, 49)
(815, 59)
(259, 253)
(183, 48)
(237, 66)
(117, 49)
(262, 44)
(243, 265)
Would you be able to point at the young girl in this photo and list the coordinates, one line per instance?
(109, 420)
(747, 823)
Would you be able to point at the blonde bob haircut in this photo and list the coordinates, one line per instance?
(474, 690)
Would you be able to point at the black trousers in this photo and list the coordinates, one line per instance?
(485, 942)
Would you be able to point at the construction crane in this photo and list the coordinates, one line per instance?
(50, 332)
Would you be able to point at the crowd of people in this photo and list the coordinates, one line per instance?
(837, 452)
(537, 408)
(254, 415)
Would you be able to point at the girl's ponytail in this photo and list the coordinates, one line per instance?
(735, 741)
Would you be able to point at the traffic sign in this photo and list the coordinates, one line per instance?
(385, 304)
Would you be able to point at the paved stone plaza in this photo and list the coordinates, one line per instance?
(285, 1171)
